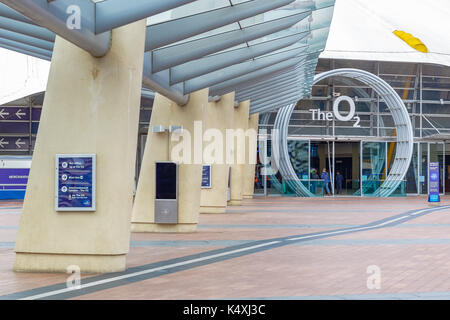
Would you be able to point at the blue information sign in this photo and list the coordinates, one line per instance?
(206, 176)
(433, 188)
(13, 178)
(75, 182)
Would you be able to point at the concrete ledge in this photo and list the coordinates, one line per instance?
(206, 209)
(44, 262)
(247, 196)
(164, 228)
(235, 203)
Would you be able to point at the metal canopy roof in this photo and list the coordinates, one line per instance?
(249, 46)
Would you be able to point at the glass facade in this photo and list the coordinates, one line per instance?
(425, 90)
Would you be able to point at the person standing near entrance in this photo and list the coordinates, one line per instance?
(339, 182)
(326, 180)
(314, 178)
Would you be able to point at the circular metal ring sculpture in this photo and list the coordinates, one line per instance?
(405, 138)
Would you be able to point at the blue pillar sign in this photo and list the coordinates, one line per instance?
(75, 182)
(206, 176)
(433, 188)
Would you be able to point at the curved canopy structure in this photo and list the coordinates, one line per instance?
(405, 137)
(226, 45)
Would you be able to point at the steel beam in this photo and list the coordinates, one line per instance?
(21, 38)
(111, 14)
(239, 70)
(257, 84)
(267, 76)
(26, 29)
(25, 47)
(276, 96)
(159, 82)
(222, 60)
(167, 57)
(253, 77)
(259, 108)
(54, 16)
(7, 12)
(269, 89)
(169, 32)
(279, 77)
(26, 52)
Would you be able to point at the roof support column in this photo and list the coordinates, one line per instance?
(237, 141)
(181, 147)
(218, 119)
(86, 111)
(250, 152)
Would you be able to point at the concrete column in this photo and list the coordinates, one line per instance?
(218, 118)
(250, 163)
(91, 106)
(241, 114)
(159, 147)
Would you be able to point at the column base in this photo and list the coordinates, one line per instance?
(163, 228)
(45, 262)
(235, 203)
(247, 196)
(206, 210)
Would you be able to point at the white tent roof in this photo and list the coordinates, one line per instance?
(360, 30)
(21, 75)
(363, 30)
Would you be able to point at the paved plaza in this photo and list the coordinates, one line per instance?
(269, 248)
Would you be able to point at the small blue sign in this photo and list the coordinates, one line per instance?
(206, 176)
(75, 183)
(433, 188)
(14, 178)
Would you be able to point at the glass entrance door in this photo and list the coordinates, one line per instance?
(346, 168)
(373, 167)
(341, 160)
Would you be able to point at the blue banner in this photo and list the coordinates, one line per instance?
(12, 178)
(433, 188)
(75, 183)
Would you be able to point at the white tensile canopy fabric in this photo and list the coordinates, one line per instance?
(360, 30)
(363, 30)
(21, 75)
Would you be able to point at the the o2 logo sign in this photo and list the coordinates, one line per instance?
(317, 114)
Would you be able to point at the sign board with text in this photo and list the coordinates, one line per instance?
(206, 176)
(14, 178)
(75, 188)
(433, 186)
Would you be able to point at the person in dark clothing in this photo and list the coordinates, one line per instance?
(314, 177)
(339, 182)
(326, 180)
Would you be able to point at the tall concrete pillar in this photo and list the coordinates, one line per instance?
(161, 147)
(240, 125)
(250, 153)
(91, 106)
(218, 118)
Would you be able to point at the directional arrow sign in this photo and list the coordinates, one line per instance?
(13, 143)
(14, 113)
(20, 114)
(3, 143)
(3, 113)
(20, 143)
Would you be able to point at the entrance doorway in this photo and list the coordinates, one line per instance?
(342, 162)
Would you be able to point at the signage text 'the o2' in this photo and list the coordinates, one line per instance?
(317, 114)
